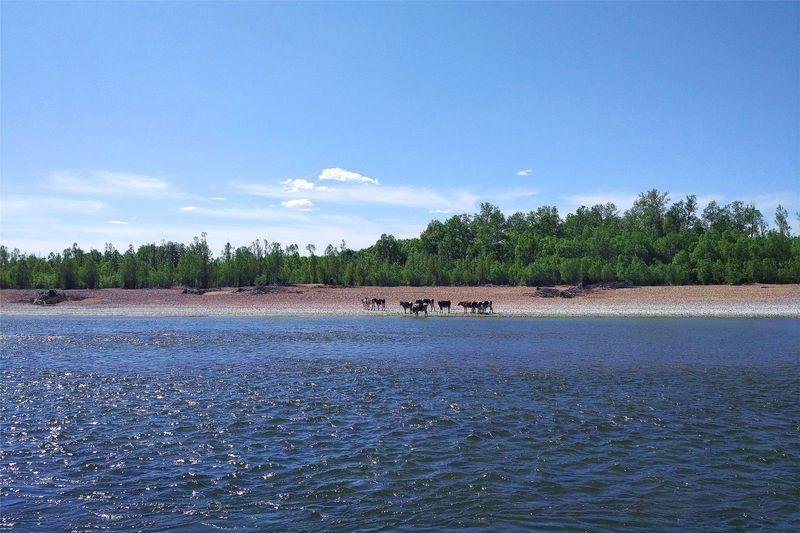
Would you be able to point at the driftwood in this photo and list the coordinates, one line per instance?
(53, 297)
(192, 290)
(547, 292)
(266, 289)
(269, 289)
(553, 292)
(580, 289)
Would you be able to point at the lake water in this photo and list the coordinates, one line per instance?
(350, 423)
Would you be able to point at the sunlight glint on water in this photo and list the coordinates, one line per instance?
(366, 422)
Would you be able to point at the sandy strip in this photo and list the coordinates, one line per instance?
(312, 300)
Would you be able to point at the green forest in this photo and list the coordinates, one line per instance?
(656, 242)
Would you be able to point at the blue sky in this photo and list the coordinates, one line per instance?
(136, 122)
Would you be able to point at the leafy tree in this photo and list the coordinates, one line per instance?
(653, 242)
(782, 220)
(129, 269)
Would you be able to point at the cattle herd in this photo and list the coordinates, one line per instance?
(424, 304)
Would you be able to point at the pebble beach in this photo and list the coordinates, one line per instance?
(311, 300)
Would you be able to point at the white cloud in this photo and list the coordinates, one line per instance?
(340, 174)
(106, 183)
(298, 184)
(298, 204)
(117, 222)
(217, 198)
(524, 172)
(188, 208)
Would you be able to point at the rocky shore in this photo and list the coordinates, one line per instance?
(719, 300)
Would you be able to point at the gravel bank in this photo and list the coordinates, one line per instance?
(717, 300)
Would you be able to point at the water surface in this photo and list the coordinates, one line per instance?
(349, 423)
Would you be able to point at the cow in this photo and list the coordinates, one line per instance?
(406, 306)
(443, 304)
(426, 301)
(465, 305)
(373, 304)
(419, 307)
(487, 305)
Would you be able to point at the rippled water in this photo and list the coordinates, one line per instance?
(348, 423)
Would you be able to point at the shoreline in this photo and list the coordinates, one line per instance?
(317, 300)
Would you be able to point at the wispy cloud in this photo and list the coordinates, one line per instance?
(401, 196)
(238, 226)
(511, 195)
(303, 194)
(243, 213)
(118, 222)
(34, 205)
(106, 183)
(773, 200)
(340, 174)
(524, 172)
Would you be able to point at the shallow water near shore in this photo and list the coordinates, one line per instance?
(364, 422)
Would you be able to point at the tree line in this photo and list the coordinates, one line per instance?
(655, 242)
